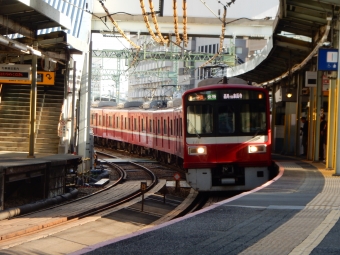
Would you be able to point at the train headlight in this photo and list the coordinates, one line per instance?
(257, 148)
(197, 150)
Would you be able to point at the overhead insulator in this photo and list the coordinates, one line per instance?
(161, 7)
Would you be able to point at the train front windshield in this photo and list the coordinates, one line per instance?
(229, 112)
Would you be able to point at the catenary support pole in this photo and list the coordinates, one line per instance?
(33, 106)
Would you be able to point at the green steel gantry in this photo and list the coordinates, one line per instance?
(130, 55)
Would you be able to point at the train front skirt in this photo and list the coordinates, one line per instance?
(227, 178)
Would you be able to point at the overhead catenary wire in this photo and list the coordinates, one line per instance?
(117, 27)
(100, 18)
(185, 35)
(154, 19)
(174, 6)
(221, 39)
(146, 20)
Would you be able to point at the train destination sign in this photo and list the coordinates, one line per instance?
(15, 72)
(43, 78)
(222, 95)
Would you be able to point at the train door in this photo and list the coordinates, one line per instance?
(171, 125)
(111, 125)
(162, 132)
(121, 126)
(146, 130)
(139, 128)
(180, 129)
(105, 125)
(156, 130)
(132, 127)
(176, 135)
(168, 129)
(95, 123)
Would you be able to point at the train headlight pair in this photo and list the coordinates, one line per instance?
(257, 148)
(197, 150)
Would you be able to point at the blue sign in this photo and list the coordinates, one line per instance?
(328, 59)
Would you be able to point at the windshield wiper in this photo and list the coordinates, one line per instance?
(194, 129)
(258, 132)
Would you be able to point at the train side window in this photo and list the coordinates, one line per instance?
(150, 126)
(153, 126)
(100, 120)
(129, 124)
(104, 120)
(125, 123)
(117, 121)
(110, 121)
(158, 127)
(143, 125)
(164, 127)
(92, 118)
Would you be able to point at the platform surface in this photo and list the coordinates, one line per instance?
(295, 213)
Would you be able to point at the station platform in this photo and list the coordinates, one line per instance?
(295, 213)
(10, 155)
(34, 178)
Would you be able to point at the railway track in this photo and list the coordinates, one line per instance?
(122, 193)
(107, 205)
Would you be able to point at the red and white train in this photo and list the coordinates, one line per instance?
(220, 134)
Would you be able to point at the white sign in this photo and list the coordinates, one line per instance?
(311, 79)
(332, 57)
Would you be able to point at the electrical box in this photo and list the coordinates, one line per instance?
(311, 79)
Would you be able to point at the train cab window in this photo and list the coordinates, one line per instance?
(226, 119)
(253, 117)
(164, 127)
(200, 119)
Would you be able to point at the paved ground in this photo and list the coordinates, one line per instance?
(296, 213)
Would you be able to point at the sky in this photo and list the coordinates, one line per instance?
(197, 8)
